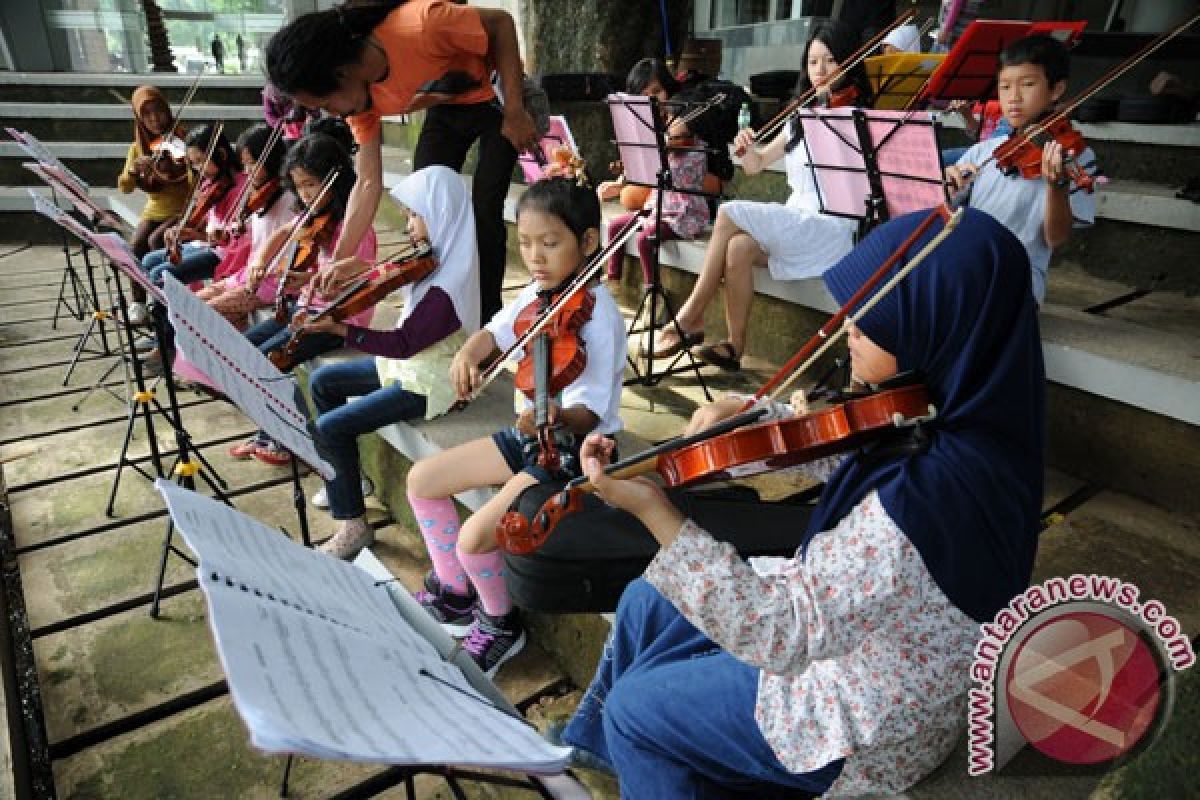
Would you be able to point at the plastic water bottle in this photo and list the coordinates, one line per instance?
(744, 117)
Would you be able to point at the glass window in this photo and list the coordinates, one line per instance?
(727, 13)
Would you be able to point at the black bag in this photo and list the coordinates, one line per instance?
(591, 556)
(577, 86)
(1154, 109)
(718, 125)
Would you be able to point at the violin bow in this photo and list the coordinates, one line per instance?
(777, 122)
(218, 129)
(834, 328)
(581, 279)
(248, 188)
(413, 248)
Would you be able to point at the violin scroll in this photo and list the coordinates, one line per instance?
(520, 536)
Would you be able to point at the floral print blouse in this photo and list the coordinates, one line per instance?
(862, 656)
(686, 214)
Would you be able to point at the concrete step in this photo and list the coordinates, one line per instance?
(75, 87)
(111, 122)
(98, 163)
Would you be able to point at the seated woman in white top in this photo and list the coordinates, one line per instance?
(793, 240)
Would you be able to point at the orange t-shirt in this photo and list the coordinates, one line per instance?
(423, 40)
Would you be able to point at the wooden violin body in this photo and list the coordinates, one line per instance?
(161, 167)
(780, 444)
(1023, 155)
(369, 289)
(567, 354)
(207, 197)
(743, 452)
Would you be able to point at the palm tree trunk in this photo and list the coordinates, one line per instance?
(160, 44)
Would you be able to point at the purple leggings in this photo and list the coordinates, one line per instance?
(645, 247)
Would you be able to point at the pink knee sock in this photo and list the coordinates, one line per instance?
(487, 576)
(438, 521)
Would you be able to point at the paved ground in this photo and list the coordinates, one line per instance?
(135, 707)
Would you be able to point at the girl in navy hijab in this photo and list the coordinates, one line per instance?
(844, 669)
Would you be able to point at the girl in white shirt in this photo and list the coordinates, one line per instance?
(558, 227)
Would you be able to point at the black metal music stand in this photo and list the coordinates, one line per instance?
(641, 139)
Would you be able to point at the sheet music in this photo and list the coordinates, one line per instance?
(77, 195)
(243, 374)
(633, 124)
(332, 671)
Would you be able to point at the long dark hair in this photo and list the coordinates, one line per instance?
(254, 140)
(842, 42)
(223, 156)
(320, 154)
(304, 55)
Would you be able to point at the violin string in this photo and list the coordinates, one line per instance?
(187, 99)
(293, 234)
(776, 124)
(248, 187)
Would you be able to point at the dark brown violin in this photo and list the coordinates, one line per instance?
(206, 198)
(314, 235)
(367, 290)
(554, 360)
(160, 168)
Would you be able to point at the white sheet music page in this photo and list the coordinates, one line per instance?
(320, 662)
(261, 391)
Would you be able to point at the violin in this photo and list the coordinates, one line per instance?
(368, 289)
(841, 98)
(1023, 155)
(207, 196)
(773, 445)
(737, 450)
(315, 234)
(555, 360)
(164, 165)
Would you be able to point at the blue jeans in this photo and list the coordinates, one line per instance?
(339, 423)
(198, 263)
(673, 713)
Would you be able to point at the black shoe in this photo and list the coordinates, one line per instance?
(492, 641)
(454, 612)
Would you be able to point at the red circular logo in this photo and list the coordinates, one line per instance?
(1084, 688)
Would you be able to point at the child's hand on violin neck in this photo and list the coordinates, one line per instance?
(526, 424)
(638, 496)
(1053, 157)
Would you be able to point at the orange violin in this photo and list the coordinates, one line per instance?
(1023, 155)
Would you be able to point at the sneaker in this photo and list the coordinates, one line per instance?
(244, 451)
(137, 314)
(321, 498)
(351, 537)
(492, 641)
(273, 453)
(453, 611)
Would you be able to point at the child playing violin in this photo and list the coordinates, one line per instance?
(229, 293)
(793, 240)
(203, 246)
(1032, 77)
(843, 670)
(407, 377)
(684, 216)
(310, 162)
(558, 226)
(161, 175)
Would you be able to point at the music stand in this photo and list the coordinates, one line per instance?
(968, 71)
(873, 165)
(557, 135)
(642, 143)
(898, 77)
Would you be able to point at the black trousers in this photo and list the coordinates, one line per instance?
(447, 135)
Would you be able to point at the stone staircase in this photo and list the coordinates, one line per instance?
(86, 121)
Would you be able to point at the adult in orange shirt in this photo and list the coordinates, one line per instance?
(362, 60)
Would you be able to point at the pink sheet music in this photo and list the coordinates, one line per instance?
(906, 148)
(634, 127)
(558, 135)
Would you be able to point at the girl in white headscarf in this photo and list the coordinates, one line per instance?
(407, 377)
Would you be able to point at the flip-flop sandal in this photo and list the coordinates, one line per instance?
(721, 355)
(689, 340)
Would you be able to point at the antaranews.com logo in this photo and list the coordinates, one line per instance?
(1079, 668)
